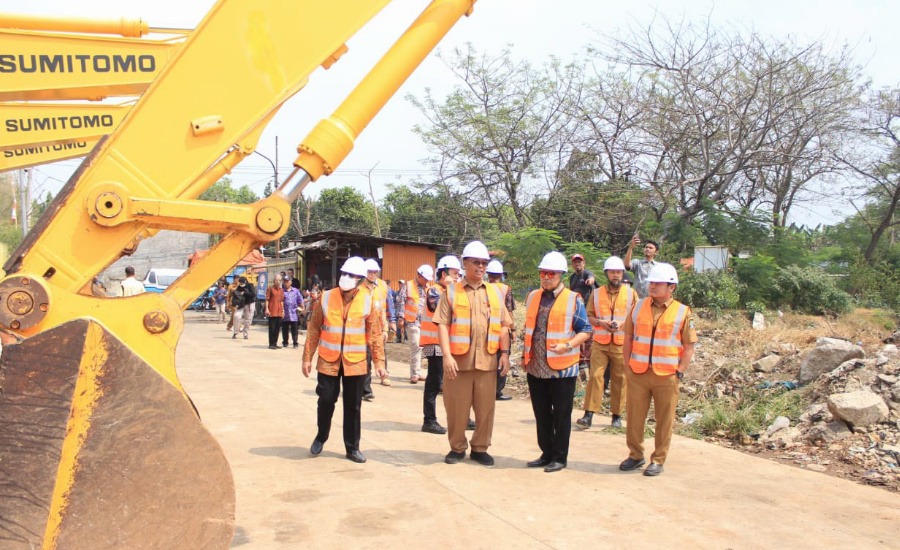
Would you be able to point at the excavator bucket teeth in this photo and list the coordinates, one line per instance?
(97, 450)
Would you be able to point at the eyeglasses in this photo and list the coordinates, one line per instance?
(478, 263)
(549, 274)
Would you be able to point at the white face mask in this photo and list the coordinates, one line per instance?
(347, 282)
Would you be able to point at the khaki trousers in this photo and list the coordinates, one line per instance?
(664, 391)
(471, 389)
(413, 332)
(593, 393)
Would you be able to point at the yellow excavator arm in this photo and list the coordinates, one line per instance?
(44, 58)
(45, 124)
(34, 155)
(89, 385)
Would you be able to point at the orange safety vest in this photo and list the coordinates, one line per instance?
(657, 346)
(619, 313)
(341, 336)
(461, 318)
(559, 327)
(411, 309)
(428, 330)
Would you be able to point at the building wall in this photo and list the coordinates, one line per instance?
(166, 249)
(401, 261)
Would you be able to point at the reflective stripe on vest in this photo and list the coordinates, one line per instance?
(559, 328)
(624, 300)
(340, 337)
(461, 318)
(660, 346)
(428, 330)
(413, 298)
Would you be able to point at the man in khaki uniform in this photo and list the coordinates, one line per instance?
(473, 327)
(607, 309)
(659, 345)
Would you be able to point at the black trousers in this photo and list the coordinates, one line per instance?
(501, 383)
(328, 388)
(289, 327)
(551, 400)
(367, 383)
(433, 384)
(274, 326)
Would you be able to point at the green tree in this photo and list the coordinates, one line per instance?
(500, 133)
(522, 252)
(342, 209)
(223, 191)
(428, 217)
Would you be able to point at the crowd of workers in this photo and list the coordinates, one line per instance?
(458, 316)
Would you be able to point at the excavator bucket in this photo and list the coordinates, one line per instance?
(97, 450)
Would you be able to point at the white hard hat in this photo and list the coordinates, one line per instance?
(663, 273)
(426, 271)
(554, 261)
(494, 267)
(372, 265)
(613, 262)
(354, 266)
(476, 250)
(449, 262)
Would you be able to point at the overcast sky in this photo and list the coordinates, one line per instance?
(535, 29)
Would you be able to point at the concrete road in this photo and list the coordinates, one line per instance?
(259, 406)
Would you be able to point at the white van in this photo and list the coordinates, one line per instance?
(158, 279)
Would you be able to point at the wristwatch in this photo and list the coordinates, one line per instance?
(679, 374)
(568, 346)
(502, 351)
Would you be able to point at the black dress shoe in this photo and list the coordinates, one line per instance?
(482, 458)
(653, 469)
(502, 397)
(616, 421)
(631, 464)
(356, 456)
(539, 463)
(555, 466)
(470, 424)
(585, 421)
(316, 447)
(453, 457)
(434, 428)
(368, 397)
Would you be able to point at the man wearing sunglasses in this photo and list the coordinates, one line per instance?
(473, 328)
(556, 325)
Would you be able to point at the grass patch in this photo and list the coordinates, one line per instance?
(749, 415)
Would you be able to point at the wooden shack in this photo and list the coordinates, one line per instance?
(322, 254)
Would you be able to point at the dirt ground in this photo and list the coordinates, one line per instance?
(261, 409)
(727, 348)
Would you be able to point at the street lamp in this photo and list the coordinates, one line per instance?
(274, 186)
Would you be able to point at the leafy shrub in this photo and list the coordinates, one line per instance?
(715, 290)
(874, 285)
(755, 273)
(755, 307)
(808, 290)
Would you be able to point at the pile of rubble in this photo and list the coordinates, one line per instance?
(851, 426)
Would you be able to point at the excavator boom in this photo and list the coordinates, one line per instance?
(44, 124)
(28, 156)
(91, 408)
(37, 65)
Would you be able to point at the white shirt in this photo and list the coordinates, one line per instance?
(131, 287)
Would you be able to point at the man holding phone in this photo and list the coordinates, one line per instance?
(607, 309)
